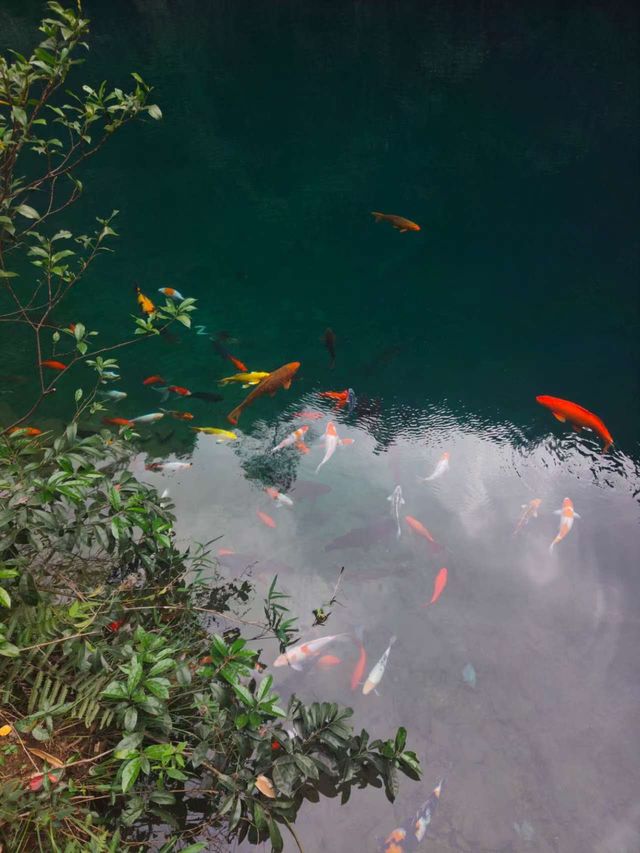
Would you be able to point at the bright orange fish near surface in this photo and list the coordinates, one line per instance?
(178, 389)
(399, 222)
(146, 305)
(154, 380)
(438, 586)
(27, 431)
(265, 519)
(577, 416)
(341, 397)
(328, 661)
(53, 364)
(358, 670)
(419, 528)
(280, 378)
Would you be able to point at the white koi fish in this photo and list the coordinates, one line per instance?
(278, 497)
(331, 441)
(148, 419)
(529, 510)
(375, 676)
(116, 396)
(171, 293)
(439, 470)
(296, 437)
(567, 516)
(301, 654)
(396, 502)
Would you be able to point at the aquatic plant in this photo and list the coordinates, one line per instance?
(124, 704)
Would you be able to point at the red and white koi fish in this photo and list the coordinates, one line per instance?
(168, 467)
(278, 497)
(296, 437)
(567, 514)
(301, 654)
(331, 441)
(171, 293)
(425, 813)
(375, 676)
(358, 670)
(438, 586)
(529, 511)
(441, 468)
(265, 519)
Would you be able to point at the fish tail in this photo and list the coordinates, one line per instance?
(234, 415)
(377, 216)
(552, 544)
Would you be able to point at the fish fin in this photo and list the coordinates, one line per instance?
(403, 230)
(286, 385)
(575, 515)
(375, 690)
(402, 501)
(557, 512)
(345, 442)
(560, 417)
(390, 498)
(302, 447)
(298, 667)
(551, 546)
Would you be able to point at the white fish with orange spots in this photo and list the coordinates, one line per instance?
(302, 653)
(332, 440)
(567, 515)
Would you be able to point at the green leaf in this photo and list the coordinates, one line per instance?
(162, 798)
(259, 816)
(78, 395)
(27, 211)
(5, 598)
(115, 690)
(8, 274)
(285, 775)
(183, 675)
(162, 666)
(129, 744)
(274, 836)
(130, 718)
(245, 697)
(135, 675)
(158, 686)
(154, 111)
(198, 847)
(130, 773)
(306, 765)
(8, 650)
(401, 739)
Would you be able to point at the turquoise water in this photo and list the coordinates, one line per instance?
(511, 136)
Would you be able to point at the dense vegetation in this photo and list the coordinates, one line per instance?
(123, 702)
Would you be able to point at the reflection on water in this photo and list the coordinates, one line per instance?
(519, 685)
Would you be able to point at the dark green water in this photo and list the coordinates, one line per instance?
(510, 133)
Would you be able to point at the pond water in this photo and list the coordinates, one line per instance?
(510, 134)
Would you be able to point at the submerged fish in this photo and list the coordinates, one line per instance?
(396, 502)
(331, 441)
(115, 396)
(469, 675)
(419, 528)
(529, 510)
(223, 352)
(328, 661)
(278, 497)
(179, 416)
(425, 813)
(351, 400)
(358, 670)
(171, 293)
(52, 364)
(302, 653)
(280, 378)
(295, 438)
(27, 431)
(330, 344)
(579, 418)
(154, 380)
(246, 379)
(375, 676)
(567, 515)
(207, 396)
(168, 467)
(363, 537)
(341, 397)
(118, 422)
(398, 222)
(265, 519)
(439, 470)
(223, 434)
(438, 586)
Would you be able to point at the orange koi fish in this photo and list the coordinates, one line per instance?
(225, 552)
(265, 519)
(118, 422)
(341, 397)
(26, 431)
(328, 661)
(297, 438)
(54, 365)
(567, 515)
(146, 305)
(331, 441)
(398, 222)
(280, 378)
(529, 510)
(358, 670)
(179, 416)
(300, 654)
(394, 842)
(438, 586)
(578, 417)
(223, 352)
(154, 380)
(419, 528)
(178, 389)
